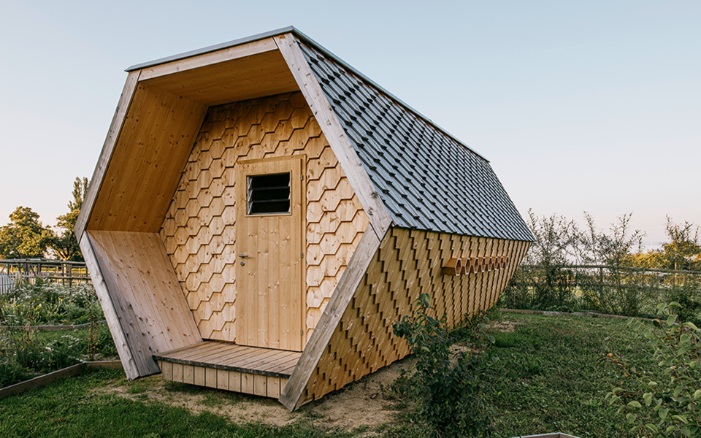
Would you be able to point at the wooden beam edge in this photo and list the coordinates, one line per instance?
(43, 380)
(103, 295)
(359, 179)
(209, 58)
(98, 175)
(291, 394)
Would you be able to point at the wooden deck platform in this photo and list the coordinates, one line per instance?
(222, 365)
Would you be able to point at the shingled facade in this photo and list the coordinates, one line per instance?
(262, 213)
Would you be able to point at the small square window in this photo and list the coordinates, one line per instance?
(269, 194)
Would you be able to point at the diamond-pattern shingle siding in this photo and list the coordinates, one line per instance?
(427, 179)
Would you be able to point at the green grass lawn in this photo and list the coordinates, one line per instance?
(72, 409)
(544, 374)
(551, 374)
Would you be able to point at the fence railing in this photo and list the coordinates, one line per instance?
(33, 270)
(609, 289)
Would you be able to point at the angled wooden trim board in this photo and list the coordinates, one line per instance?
(336, 136)
(106, 154)
(103, 295)
(291, 395)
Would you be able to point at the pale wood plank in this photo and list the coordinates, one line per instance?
(210, 378)
(240, 359)
(186, 348)
(247, 383)
(260, 385)
(198, 376)
(234, 381)
(210, 355)
(273, 387)
(188, 374)
(253, 361)
(178, 372)
(223, 380)
(151, 308)
(166, 369)
(191, 352)
(109, 307)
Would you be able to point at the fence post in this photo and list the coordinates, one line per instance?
(70, 274)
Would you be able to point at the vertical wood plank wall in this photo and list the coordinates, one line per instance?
(265, 386)
(138, 184)
(199, 228)
(408, 263)
(145, 292)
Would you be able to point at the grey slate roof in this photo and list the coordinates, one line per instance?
(427, 179)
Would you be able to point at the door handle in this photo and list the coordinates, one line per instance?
(243, 256)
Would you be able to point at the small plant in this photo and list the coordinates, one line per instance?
(671, 407)
(26, 350)
(445, 386)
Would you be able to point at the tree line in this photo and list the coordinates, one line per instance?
(26, 237)
(585, 268)
(560, 241)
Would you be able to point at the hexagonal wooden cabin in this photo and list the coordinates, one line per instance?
(262, 213)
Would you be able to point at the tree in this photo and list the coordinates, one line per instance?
(612, 249)
(65, 245)
(24, 236)
(555, 240)
(683, 250)
(551, 254)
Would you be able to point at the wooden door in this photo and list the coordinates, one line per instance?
(269, 255)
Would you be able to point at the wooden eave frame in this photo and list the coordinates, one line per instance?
(288, 45)
(379, 218)
(98, 175)
(134, 77)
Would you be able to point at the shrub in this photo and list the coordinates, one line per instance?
(671, 407)
(445, 386)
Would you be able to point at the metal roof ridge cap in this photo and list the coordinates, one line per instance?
(215, 47)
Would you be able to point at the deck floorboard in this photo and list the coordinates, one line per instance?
(231, 357)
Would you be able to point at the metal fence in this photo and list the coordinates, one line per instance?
(33, 270)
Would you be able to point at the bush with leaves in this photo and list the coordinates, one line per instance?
(669, 407)
(445, 384)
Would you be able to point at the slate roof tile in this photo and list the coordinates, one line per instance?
(426, 178)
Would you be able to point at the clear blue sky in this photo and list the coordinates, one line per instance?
(579, 106)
